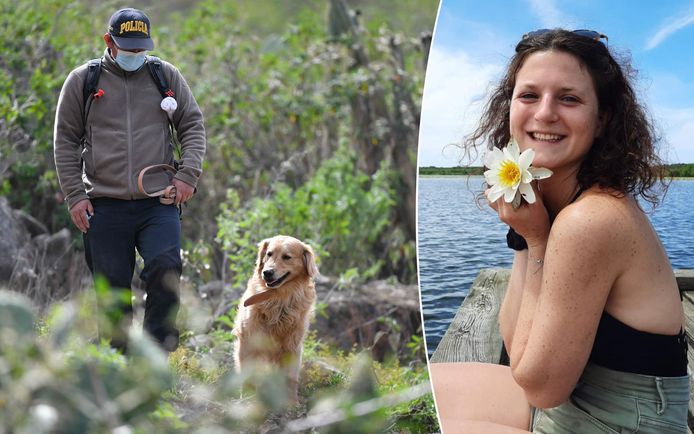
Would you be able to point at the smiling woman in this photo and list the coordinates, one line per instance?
(592, 321)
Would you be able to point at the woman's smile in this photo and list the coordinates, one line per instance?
(546, 137)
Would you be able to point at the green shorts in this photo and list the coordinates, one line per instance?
(614, 402)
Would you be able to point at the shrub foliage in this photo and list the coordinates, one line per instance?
(280, 110)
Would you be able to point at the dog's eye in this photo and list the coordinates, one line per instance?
(286, 257)
(269, 253)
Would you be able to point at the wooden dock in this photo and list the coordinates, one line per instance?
(474, 335)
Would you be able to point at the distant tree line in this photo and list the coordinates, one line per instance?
(680, 170)
(685, 170)
(469, 170)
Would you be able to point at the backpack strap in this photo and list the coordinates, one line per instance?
(157, 73)
(156, 70)
(92, 80)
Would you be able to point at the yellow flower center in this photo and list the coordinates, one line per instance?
(509, 174)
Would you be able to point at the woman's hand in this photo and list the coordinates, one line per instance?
(530, 220)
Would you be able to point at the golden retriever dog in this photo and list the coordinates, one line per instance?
(275, 309)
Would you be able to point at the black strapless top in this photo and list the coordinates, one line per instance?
(622, 348)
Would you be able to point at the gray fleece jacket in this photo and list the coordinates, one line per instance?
(124, 131)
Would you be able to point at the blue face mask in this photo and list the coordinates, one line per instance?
(130, 61)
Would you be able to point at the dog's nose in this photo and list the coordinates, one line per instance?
(268, 274)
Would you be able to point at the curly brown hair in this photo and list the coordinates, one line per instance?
(624, 157)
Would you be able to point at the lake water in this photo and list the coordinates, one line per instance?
(457, 238)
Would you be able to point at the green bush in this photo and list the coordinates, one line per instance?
(58, 382)
(276, 105)
(37, 52)
(54, 384)
(344, 214)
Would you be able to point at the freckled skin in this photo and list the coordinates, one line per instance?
(587, 272)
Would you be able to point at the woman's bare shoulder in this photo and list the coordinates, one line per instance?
(599, 215)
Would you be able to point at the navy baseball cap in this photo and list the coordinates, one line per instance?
(130, 30)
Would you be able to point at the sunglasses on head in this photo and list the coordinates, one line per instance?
(591, 34)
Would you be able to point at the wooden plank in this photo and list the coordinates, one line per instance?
(474, 336)
(685, 279)
(688, 305)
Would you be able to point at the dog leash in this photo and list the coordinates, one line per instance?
(259, 297)
(165, 195)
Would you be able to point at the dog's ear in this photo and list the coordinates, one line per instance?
(262, 250)
(310, 261)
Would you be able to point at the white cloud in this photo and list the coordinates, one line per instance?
(454, 93)
(677, 128)
(668, 99)
(549, 14)
(669, 28)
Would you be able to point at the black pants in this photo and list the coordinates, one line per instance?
(116, 229)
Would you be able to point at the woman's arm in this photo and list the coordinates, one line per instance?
(531, 221)
(508, 314)
(527, 310)
(563, 300)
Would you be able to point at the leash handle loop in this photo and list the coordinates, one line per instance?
(166, 195)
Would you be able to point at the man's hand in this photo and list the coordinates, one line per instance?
(79, 213)
(184, 191)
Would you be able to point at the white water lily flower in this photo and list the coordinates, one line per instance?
(510, 174)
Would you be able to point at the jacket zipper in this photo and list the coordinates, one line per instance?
(130, 137)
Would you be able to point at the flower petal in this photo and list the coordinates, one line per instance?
(540, 172)
(526, 177)
(492, 177)
(494, 159)
(509, 194)
(488, 159)
(495, 193)
(528, 194)
(526, 158)
(508, 155)
(513, 149)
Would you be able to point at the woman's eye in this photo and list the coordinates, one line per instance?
(527, 96)
(569, 98)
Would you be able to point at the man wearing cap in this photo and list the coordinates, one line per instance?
(101, 144)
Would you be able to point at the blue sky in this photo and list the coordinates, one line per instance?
(474, 40)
